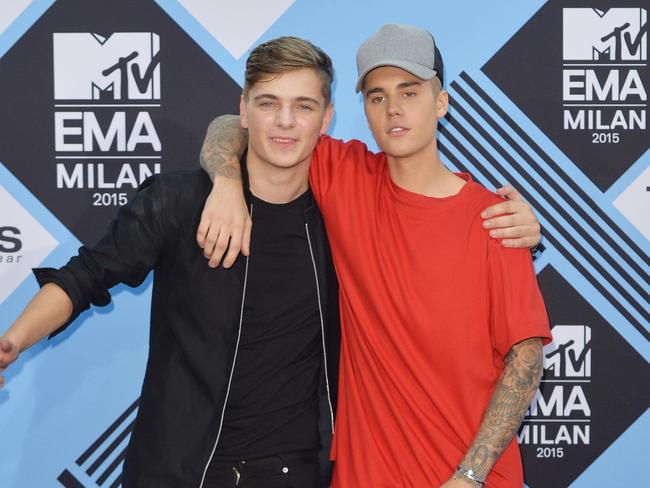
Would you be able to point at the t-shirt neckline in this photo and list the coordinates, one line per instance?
(416, 199)
(301, 201)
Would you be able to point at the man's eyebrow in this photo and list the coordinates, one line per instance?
(401, 86)
(408, 84)
(307, 99)
(265, 95)
(375, 90)
(297, 99)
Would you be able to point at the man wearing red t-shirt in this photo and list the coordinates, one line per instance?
(442, 327)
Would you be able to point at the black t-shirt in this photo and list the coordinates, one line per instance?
(272, 406)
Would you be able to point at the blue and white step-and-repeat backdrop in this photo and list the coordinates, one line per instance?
(550, 97)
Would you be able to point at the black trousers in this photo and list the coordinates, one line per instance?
(285, 470)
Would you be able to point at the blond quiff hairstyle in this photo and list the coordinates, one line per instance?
(285, 54)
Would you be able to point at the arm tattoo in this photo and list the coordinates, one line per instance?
(504, 414)
(223, 146)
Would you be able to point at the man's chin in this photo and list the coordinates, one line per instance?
(402, 151)
(397, 152)
(286, 163)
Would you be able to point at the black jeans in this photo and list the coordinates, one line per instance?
(284, 470)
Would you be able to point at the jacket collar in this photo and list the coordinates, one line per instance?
(245, 178)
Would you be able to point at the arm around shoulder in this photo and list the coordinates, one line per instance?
(513, 220)
(225, 226)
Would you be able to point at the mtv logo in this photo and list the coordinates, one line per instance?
(569, 355)
(123, 66)
(24, 244)
(615, 34)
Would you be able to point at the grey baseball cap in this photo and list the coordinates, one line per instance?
(403, 46)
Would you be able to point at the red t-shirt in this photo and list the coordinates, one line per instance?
(430, 305)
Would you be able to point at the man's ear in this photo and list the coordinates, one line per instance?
(442, 104)
(243, 112)
(329, 114)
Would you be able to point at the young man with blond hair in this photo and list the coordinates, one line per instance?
(243, 361)
(442, 326)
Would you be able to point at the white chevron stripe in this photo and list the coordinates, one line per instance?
(10, 12)
(236, 24)
(634, 203)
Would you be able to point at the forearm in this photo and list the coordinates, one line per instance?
(50, 308)
(223, 146)
(504, 414)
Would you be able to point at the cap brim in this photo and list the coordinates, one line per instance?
(415, 69)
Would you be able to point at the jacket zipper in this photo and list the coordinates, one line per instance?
(232, 370)
(322, 327)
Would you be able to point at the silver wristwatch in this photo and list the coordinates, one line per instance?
(470, 475)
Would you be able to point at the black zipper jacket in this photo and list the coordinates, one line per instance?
(196, 316)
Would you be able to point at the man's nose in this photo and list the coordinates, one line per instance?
(393, 106)
(285, 117)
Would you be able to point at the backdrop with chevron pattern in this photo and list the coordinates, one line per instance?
(548, 96)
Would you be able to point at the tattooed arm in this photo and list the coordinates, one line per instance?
(504, 414)
(226, 226)
(223, 146)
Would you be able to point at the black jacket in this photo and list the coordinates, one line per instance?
(195, 323)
